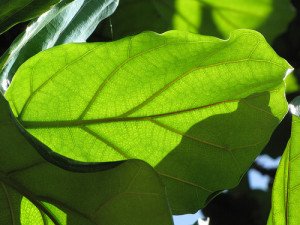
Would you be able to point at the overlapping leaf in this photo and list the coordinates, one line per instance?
(64, 23)
(211, 17)
(197, 108)
(286, 189)
(13, 12)
(34, 191)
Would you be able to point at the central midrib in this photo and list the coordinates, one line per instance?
(79, 123)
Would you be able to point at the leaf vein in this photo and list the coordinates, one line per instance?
(105, 141)
(186, 135)
(9, 203)
(167, 86)
(185, 182)
(77, 123)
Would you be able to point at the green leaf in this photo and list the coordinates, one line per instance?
(197, 108)
(292, 84)
(286, 188)
(64, 23)
(210, 17)
(17, 11)
(34, 191)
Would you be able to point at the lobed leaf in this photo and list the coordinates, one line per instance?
(34, 191)
(64, 23)
(286, 188)
(199, 109)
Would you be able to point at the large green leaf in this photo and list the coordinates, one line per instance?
(64, 23)
(34, 191)
(211, 17)
(197, 108)
(286, 189)
(16, 11)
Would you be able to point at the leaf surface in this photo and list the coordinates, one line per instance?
(189, 105)
(286, 188)
(292, 84)
(210, 17)
(64, 23)
(34, 191)
(17, 11)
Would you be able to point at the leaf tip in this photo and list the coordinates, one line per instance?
(289, 70)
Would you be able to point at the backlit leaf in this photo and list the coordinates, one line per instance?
(286, 188)
(210, 17)
(292, 84)
(199, 109)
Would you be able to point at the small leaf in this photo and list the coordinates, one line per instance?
(286, 188)
(64, 23)
(34, 191)
(210, 17)
(292, 84)
(199, 109)
(17, 11)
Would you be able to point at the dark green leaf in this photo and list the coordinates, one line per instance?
(34, 191)
(17, 11)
